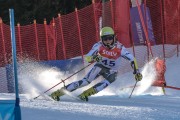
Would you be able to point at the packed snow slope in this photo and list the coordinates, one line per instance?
(146, 103)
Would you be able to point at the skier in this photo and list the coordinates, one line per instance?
(106, 54)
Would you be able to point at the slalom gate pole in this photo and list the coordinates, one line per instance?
(133, 89)
(17, 109)
(62, 81)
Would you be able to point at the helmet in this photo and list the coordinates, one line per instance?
(107, 33)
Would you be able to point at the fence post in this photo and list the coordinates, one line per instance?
(79, 34)
(112, 14)
(36, 39)
(178, 29)
(165, 22)
(162, 28)
(145, 15)
(145, 30)
(54, 38)
(95, 20)
(3, 42)
(19, 36)
(145, 26)
(131, 34)
(62, 36)
(46, 36)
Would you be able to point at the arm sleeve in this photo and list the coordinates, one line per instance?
(125, 54)
(93, 51)
(134, 65)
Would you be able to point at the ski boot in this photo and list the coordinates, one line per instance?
(84, 96)
(56, 95)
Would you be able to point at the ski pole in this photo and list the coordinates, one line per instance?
(133, 89)
(62, 81)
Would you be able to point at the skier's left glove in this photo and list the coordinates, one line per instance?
(138, 76)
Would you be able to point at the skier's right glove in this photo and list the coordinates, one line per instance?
(97, 58)
(138, 76)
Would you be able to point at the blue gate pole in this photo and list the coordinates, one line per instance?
(17, 110)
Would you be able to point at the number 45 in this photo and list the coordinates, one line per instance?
(110, 63)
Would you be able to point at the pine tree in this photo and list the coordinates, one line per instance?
(28, 10)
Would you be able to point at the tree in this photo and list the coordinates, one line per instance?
(28, 10)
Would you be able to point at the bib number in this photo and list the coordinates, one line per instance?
(109, 63)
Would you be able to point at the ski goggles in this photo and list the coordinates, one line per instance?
(107, 37)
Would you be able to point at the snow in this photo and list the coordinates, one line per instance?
(146, 102)
(104, 108)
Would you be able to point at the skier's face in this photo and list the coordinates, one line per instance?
(108, 40)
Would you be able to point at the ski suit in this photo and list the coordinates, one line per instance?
(106, 67)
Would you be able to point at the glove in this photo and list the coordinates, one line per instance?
(138, 76)
(97, 58)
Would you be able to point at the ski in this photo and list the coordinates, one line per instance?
(71, 95)
(43, 97)
(47, 97)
